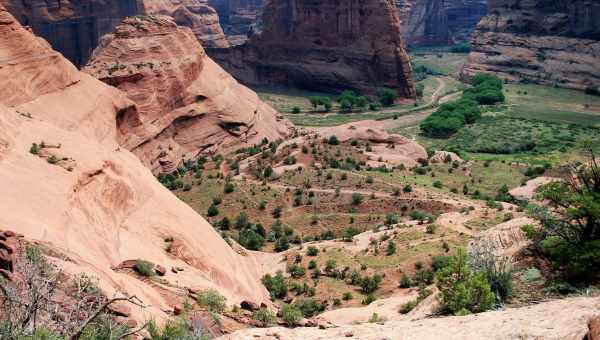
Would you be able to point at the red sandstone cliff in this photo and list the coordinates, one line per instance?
(90, 200)
(327, 45)
(187, 105)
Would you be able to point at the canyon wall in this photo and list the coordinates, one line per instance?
(72, 27)
(328, 45)
(187, 105)
(239, 18)
(439, 22)
(90, 202)
(541, 41)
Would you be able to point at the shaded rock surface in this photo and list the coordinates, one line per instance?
(239, 18)
(109, 207)
(187, 105)
(439, 22)
(328, 45)
(540, 41)
(72, 27)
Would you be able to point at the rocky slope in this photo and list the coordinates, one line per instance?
(93, 202)
(187, 105)
(198, 15)
(72, 27)
(327, 45)
(239, 17)
(542, 41)
(561, 319)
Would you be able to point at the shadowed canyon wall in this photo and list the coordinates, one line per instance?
(327, 45)
(239, 17)
(542, 41)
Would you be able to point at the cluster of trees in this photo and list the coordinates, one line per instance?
(349, 101)
(451, 116)
(317, 101)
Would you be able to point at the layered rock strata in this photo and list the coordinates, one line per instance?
(239, 18)
(187, 105)
(328, 45)
(543, 41)
(67, 184)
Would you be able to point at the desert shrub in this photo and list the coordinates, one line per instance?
(282, 243)
(290, 315)
(387, 97)
(593, 90)
(357, 198)
(312, 251)
(420, 88)
(350, 233)
(296, 110)
(347, 296)
(333, 140)
(174, 329)
(440, 261)
(431, 228)
(251, 239)
(424, 276)
(312, 264)
(407, 188)
(461, 290)
(265, 316)
(145, 268)
(212, 301)
(276, 285)
(406, 282)
(296, 271)
(228, 188)
(422, 216)
(308, 307)
(370, 284)
(391, 248)
(438, 184)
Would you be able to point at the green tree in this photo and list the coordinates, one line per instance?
(387, 97)
(462, 291)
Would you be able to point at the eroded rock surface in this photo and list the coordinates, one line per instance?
(541, 41)
(327, 45)
(108, 207)
(187, 105)
(239, 18)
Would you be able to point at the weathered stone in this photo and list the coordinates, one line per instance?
(160, 270)
(327, 45)
(594, 326)
(119, 309)
(249, 305)
(541, 41)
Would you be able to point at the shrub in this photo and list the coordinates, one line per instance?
(241, 221)
(312, 264)
(420, 88)
(391, 248)
(369, 284)
(296, 271)
(406, 282)
(312, 251)
(34, 149)
(308, 307)
(296, 110)
(276, 285)
(593, 90)
(391, 219)
(228, 188)
(438, 184)
(440, 261)
(333, 140)
(357, 198)
(145, 268)
(430, 229)
(265, 316)
(212, 301)
(407, 188)
(347, 296)
(250, 239)
(369, 299)
(461, 290)
(290, 315)
(387, 97)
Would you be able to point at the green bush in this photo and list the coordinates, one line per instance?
(312, 251)
(296, 271)
(420, 88)
(145, 268)
(387, 97)
(290, 315)
(592, 90)
(228, 188)
(296, 110)
(357, 198)
(333, 140)
(308, 307)
(276, 285)
(265, 316)
(250, 239)
(212, 301)
(461, 289)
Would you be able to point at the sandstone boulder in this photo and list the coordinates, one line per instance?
(187, 105)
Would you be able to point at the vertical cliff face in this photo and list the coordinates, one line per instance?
(327, 45)
(187, 105)
(239, 17)
(542, 41)
(72, 27)
(436, 22)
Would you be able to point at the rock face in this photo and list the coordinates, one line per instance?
(437, 22)
(187, 105)
(327, 45)
(198, 15)
(561, 319)
(541, 41)
(72, 27)
(239, 18)
(107, 207)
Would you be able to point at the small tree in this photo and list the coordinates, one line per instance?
(391, 248)
(387, 97)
